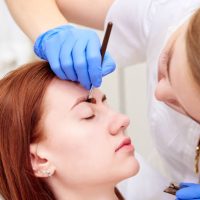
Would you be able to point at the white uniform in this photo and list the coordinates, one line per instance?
(141, 29)
(148, 184)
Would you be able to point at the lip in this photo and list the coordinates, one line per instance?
(126, 143)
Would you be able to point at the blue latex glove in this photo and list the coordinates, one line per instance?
(74, 54)
(188, 191)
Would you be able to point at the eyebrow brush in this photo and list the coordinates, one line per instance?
(103, 50)
(172, 189)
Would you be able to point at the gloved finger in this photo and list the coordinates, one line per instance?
(93, 55)
(52, 53)
(80, 63)
(182, 185)
(66, 60)
(108, 64)
(187, 199)
(192, 192)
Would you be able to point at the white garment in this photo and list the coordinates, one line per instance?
(140, 31)
(148, 184)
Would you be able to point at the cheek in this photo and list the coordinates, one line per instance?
(90, 152)
(79, 142)
(89, 148)
(180, 82)
(64, 138)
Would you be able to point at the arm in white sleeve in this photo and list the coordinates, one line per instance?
(130, 31)
(148, 184)
(36, 16)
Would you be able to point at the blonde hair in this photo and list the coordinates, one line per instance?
(193, 46)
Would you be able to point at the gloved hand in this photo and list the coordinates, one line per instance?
(188, 191)
(74, 54)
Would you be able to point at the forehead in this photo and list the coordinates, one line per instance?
(65, 93)
(61, 92)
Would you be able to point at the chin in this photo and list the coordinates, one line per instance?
(133, 169)
(129, 169)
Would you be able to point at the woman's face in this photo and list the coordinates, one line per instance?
(176, 86)
(83, 139)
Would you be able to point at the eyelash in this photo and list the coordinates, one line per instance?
(91, 117)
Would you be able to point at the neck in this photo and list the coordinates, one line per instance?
(99, 192)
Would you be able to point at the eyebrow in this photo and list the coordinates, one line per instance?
(171, 51)
(84, 99)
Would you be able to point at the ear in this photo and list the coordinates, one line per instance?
(41, 166)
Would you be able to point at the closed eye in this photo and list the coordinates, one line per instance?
(91, 117)
(93, 100)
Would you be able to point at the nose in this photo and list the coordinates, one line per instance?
(163, 91)
(118, 123)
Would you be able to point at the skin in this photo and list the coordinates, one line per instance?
(176, 86)
(79, 144)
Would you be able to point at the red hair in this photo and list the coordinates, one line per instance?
(21, 95)
(21, 98)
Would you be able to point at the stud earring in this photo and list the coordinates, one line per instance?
(46, 172)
